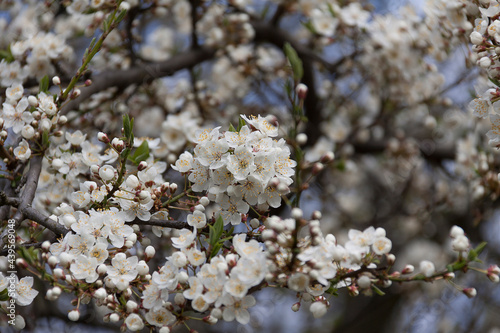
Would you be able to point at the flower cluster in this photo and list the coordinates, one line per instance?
(239, 168)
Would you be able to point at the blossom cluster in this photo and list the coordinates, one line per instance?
(239, 169)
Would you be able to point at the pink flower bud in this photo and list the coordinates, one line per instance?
(301, 90)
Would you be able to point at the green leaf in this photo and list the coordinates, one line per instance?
(28, 254)
(241, 123)
(120, 16)
(141, 153)
(44, 84)
(295, 62)
(7, 55)
(377, 290)
(127, 126)
(480, 248)
(309, 26)
(45, 139)
(4, 295)
(472, 255)
(215, 249)
(494, 81)
(216, 232)
(231, 128)
(219, 226)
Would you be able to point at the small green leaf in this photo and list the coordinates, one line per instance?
(295, 62)
(219, 226)
(45, 139)
(231, 128)
(241, 123)
(120, 16)
(472, 255)
(7, 55)
(44, 84)
(141, 153)
(215, 249)
(92, 43)
(494, 81)
(28, 254)
(309, 26)
(216, 232)
(480, 248)
(127, 126)
(377, 290)
(4, 295)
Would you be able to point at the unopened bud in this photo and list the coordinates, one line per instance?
(103, 137)
(33, 101)
(470, 292)
(408, 269)
(301, 139)
(56, 80)
(301, 91)
(296, 307)
(74, 315)
(142, 166)
(118, 144)
(317, 168)
(149, 252)
(327, 157)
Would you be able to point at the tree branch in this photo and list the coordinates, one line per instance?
(24, 209)
(139, 74)
(162, 223)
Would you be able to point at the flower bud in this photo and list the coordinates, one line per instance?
(296, 307)
(142, 166)
(102, 269)
(20, 262)
(297, 213)
(301, 139)
(56, 80)
(46, 246)
(118, 144)
(131, 306)
(103, 137)
(62, 120)
(33, 101)
(301, 91)
(58, 273)
(254, 223)
(100, 294)
(476, 38)
(204, 201)
(408, 269)
(484, 62)
(318, 309)
(149, 252)
(114, 317)
(74, 315)
(470, 292)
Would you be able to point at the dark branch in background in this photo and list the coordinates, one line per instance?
(267, 33)
(24, 209)
(162, 223)
(431, 153)
(139, 74)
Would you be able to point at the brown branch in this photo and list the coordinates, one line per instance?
(24, 209)
(141, 73)
(162, 223)
(429, 152)
(33, 214)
